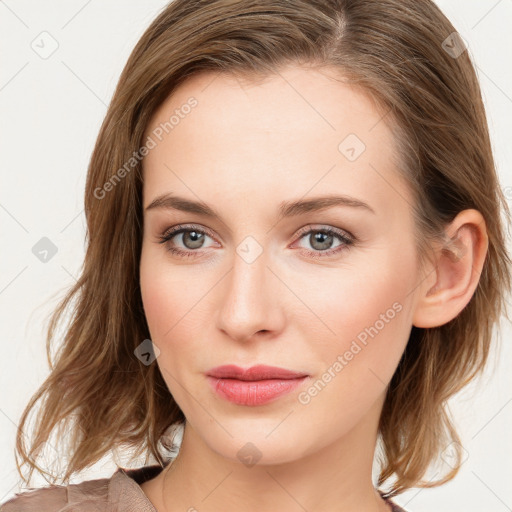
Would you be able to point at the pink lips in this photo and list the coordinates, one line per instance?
(254, 386)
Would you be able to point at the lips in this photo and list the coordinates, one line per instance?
(253, 386)
(259, 372)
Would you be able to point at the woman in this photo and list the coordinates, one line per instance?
(295, 256)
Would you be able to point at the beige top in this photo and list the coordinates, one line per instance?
(119, 493)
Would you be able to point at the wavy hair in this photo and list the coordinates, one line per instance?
(396, 51)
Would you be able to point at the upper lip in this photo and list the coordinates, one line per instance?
(259, 372)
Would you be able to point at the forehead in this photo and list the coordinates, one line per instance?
(295, 131)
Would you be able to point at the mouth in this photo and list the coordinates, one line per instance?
(253, 386)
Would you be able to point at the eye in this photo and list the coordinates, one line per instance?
(192, 238)
(322, 239)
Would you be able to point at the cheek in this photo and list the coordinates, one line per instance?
(162, 294)
(159, 300)
(368, 313)
(174, 301)
(170, 317)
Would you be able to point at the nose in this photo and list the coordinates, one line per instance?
(250, 300)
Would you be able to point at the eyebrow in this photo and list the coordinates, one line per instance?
(286, 208)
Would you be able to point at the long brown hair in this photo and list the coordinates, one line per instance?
(396, 51)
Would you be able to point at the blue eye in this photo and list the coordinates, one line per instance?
(320, 239)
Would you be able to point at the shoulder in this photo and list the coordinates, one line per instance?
(120, 492)
(85, 496)
(53, 498)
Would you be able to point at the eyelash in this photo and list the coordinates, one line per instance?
(348, 240)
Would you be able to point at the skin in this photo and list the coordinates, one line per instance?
(246, 147)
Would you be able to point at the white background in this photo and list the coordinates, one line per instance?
(51, 110)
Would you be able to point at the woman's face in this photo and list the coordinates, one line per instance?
(256, 284)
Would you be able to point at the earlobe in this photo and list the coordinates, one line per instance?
(456, 271)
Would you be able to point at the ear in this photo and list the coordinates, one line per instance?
(454, 275)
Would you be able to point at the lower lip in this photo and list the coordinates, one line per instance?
(254, 392)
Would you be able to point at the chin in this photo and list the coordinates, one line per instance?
(258, 440)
